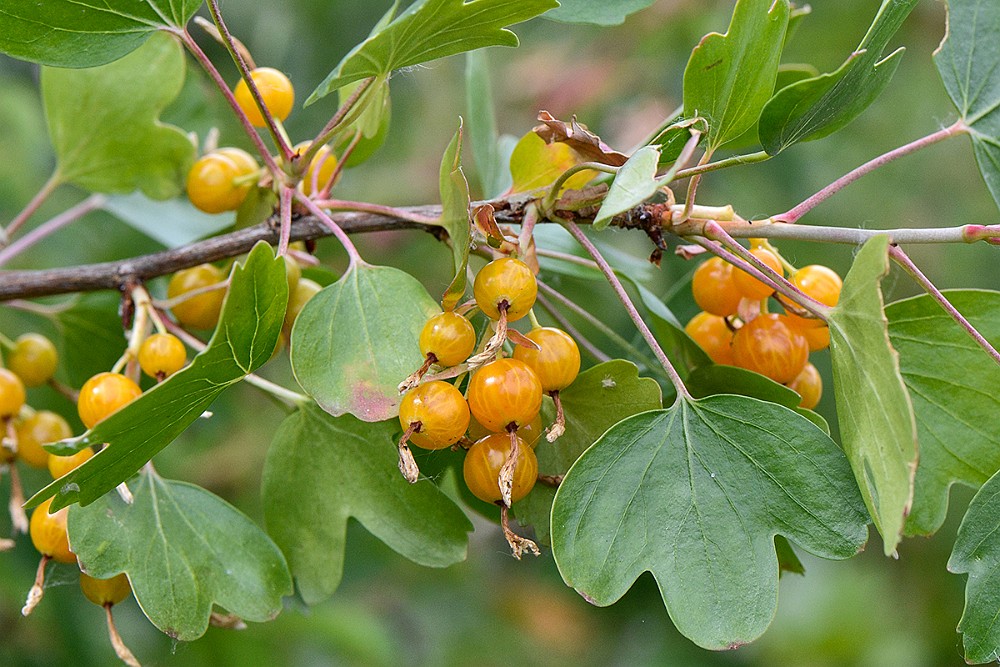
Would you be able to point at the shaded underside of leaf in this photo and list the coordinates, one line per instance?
(321, 470)
(873, 407)
(953, 385)
(696, 494)
(598, 12)
(183, 549)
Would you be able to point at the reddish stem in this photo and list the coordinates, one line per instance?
(49, 227)
(43, 193)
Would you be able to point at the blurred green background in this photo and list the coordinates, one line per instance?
(621, 82)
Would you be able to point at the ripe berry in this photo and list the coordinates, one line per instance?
(449, 337)
(749, 286)
(505, 280)
(713, 335)
(12, 394)
(162, 355)
(713, 288)
(441, 411)
(557, 363)
(105, 592)
(219, 181)
(809, 385)
(482, 468)
(34, 359)
(321, 169)
(505, 392)
(528, 433)
(822, 284)
(48, 533)
(769, 345)
(39, 429)
(104, 394)
(305, 289)
(202, 310)
(275, 90)
(63, 465)
(817, 337)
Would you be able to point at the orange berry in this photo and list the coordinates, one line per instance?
(713, 335)
(103, 395)
(770, 346)
(40, 429)
(557, 363)
(713, 288)
(749, 286)
(275, 90)
(441, 410)
(809, 385)
(505, 392)
(49, 534)
(63, 465)
(483, 461)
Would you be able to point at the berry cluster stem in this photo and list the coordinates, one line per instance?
(616, 285)
(324, 217)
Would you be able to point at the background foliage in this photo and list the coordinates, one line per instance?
(491, 609)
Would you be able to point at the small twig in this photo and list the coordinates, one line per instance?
(378, 209)
(553, 194)
(121, 650)
(70, 215)
(904, 261)
(352, 252)
(337, 120)
(285, 219)
(733, 161)
(37, 589)
(54, 181)
(518, 544)
(407, 464)
(559, 426)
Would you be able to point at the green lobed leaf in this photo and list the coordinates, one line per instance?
(977, 553)
(173, 223)
(322, 470)
(428, 30)
(357, 339)
(491, 164)
(183, 549)
(730, 77)
(873, 407)
(696, 494)
(819, 106)
(967, 60)
(85, 33)
(245, 338)
(104, 124)
(456, 216)
(954, 396)
(599, 398)
(597, 12)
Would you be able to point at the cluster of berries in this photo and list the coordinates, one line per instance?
(221, 179)
(736, 329)
(497, 419)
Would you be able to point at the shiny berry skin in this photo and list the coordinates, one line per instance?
(713, 336)
(63, 465)
(505, 279)
(104, 394)
(713, 288)
(202, 310)
(219, 181)
(769, 345)
(749, 286)
(275, 90)
(162, 355)
(817, 337)
(822, 284)
(323, 164)
(305, 289)
(12, 394)
(504, 392)
(529, 433)
(450, 337)
(441, 410)
(34, 359)
(809, 385)
(105, 592)
(48, 533)
(483, 461)
(39, 429)
(557, 363)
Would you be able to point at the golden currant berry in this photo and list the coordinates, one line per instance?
(48, 533)
(219, 181)
(505, 280)
(503, 393)
(557, 363)
(105, 592)
(822, 284)
(713, 335)
(103, 395)
(162, 355)
(12, 394)
(483, 461)
(769, 345)
(809, 385)
(450, 337)
(40, 429)
(529, 433)
(202, 310)
(305, 289)
(63, 465)
(713, 288)
(320, 170)
(749, 286)
(275, 90)
(441, 411)
(34, 359)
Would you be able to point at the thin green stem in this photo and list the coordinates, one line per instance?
(553, 194)
(734, 161)
(53, 182)
(622, 294)
(341, 117)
